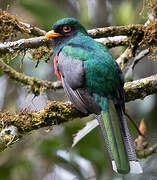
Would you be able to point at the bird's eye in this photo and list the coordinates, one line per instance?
(66, 29)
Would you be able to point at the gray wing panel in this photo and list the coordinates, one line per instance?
(81, 99)
(72, 71)
(73, 79)
(74, 98)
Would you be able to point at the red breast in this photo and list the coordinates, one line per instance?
(56, 68)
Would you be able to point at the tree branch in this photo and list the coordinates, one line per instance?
(114, 41)
(147, 152)
(140, 88)
(10, 25)
(8, 19)
(35, 86)
(23, 44)
(134, 90)
(26, 121)
(33, 30)
(59, 112)
(116, 31)
(124, 57)
(33, 43)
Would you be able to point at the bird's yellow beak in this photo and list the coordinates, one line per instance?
(52, 34)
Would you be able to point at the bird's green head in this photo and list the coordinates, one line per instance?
(65, 29)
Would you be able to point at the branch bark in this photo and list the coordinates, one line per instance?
(140, 88)
(23, 44)
(116, 31)
(32, 43)
(14, 125)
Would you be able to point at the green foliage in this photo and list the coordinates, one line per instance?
(16, 167)
(125, 13)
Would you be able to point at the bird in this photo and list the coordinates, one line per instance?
(93, 82)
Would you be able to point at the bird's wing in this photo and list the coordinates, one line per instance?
(73, 79)
(118, 92)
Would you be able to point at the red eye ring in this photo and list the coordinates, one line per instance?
(66, 28)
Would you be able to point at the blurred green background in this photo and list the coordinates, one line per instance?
(47, 154)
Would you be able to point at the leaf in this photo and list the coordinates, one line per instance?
(142, 127)
(140, 140)
(84, 131)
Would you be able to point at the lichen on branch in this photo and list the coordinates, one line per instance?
(140, 88)
(10, 27)
(26, 121)
(53, 114)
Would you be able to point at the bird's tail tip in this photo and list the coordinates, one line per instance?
(135, 167)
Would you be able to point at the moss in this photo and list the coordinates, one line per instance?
(150, 35)
(140, 88)
(10, 27)
(26, 120)
(6, 140)
(41, 52)
(144, 153)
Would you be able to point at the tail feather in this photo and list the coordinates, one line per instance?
(98, 117)
(135, 166)
(118, 140)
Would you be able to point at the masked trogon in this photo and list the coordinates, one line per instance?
(94, 83)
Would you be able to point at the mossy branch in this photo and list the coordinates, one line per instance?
(34, 85)
(34, 43)
(23, 44)
(140, 88)
(26, 121)
(10, 26)
(147, 152)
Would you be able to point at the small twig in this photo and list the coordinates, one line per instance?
(140, 88)
(134, 124)
(37, 63)
(147, 152)
(33, 30)
(141, 55)
(114, 41)
(115, 31)
(124, 58)
(23, 44)
(130, 72)
(22, 59)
